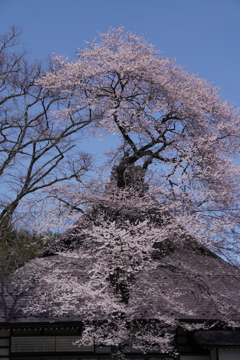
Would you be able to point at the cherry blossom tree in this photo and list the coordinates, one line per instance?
(174, 130)
(132, 275)
(171, 123)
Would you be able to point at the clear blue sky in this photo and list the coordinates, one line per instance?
(203, 35)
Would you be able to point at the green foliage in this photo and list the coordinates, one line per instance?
(19, 246)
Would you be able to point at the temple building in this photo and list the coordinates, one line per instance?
(192, 285)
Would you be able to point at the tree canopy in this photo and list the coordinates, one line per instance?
(172, 124)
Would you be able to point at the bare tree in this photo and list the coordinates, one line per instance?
(36, 148)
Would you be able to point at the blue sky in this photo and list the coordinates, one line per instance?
(203, 35)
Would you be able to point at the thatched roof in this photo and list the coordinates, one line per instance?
(190, 282)
(188, 275)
